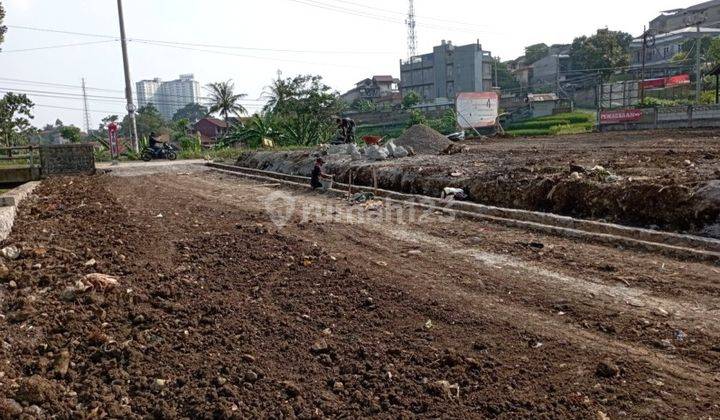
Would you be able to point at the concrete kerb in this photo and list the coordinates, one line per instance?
(675, 245)
(9, 202)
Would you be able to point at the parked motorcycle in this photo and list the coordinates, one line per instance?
(164, 152)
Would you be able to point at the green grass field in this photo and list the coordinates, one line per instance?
(571, 123)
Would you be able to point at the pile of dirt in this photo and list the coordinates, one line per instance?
(423, 140)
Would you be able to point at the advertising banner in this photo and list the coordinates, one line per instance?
(477, 109)
(620, 116)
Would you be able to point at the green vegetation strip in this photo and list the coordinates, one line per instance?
(571, 123)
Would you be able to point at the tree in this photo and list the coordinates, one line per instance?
(505, 79)
(278, 93)
(364, 105)
(109, 119)
(181, 135)
(447, 124)
(302, 95)
(148, 120)
(3, 29)
(304, 108)
(252, 134)
(181, 128)
(416, 117)
(15, 116)
(535, 52)
(709, 51)
(604, 51)
(305, 130)
(224, 100)
(71, 133)
(191, 112)
(410, 99)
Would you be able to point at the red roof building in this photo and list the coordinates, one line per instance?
(210, 129)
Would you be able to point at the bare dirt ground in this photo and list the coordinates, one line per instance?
(345, 312)
(650, 178)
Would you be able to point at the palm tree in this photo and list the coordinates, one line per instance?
(276, 94)
(224, 100)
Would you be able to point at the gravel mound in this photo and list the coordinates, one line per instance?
(423, 140)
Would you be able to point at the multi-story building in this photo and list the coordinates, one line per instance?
(378, 89)
(663, 48)
(439, 76)
(168, 97)
(550, 71)
(706, 14)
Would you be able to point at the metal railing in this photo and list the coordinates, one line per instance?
(31, 155)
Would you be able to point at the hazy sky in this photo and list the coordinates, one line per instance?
(342, 40)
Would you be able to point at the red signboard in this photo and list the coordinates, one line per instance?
(620, 116)
(113, 140)
(666, 82)
(653, 83)
(681, 79)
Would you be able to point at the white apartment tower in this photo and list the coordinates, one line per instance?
(168, 97)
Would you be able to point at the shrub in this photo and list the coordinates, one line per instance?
(529, 132)
(572, 129)
(572, 117)
(535, 125)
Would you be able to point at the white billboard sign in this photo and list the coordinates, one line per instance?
(477, 109)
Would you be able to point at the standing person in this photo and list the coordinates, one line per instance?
(318, 176)
(350, 130)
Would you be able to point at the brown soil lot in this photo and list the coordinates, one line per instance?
(220, 313)
(660, 173)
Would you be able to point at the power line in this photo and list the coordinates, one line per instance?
(422, 17)
(280, 50)
(384, 18)
(59, 31)
(102, 98)
(59, 85)
(247, 56)
(96, 111)
(54, 47)
(192, 44)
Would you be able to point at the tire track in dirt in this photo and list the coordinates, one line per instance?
(606, 296)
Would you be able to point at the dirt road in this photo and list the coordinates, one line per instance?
(343, 311)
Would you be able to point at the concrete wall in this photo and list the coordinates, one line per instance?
(67, 159)
(693, 116)
(19, 174)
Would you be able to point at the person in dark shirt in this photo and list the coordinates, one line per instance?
(152, 141)
(318, 174)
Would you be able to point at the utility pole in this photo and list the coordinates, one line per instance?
(128, 86)
(497, 63)
(698, 71)
(557, 74)
(86, 109)
(697, 20)
(642, 69)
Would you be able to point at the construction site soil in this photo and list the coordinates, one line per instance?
(667, 180)
(219, 313)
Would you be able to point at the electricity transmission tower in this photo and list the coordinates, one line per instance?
(412, 36)
(86, 109)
